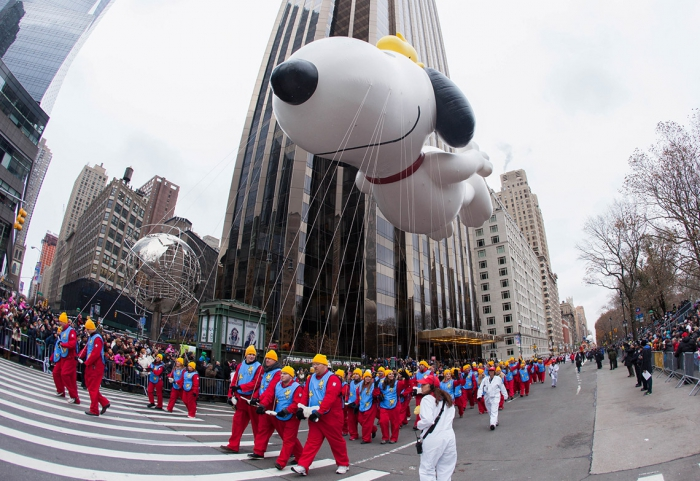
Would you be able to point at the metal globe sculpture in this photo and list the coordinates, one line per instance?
(164, 275)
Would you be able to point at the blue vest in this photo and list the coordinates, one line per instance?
(317, 388)
(188, 380)
(152, 377)
(246, 374)
(509, 375)
(57, 351)
(284, 397)
(64, 338)
(458, 391)
(468, 382)
(420, 375)
(448, 387)
(91, 344)
(524, 376)
(266, 380)
(366, 398)
(540, 366)
(352, 395)
(390, 395)
(177, 375)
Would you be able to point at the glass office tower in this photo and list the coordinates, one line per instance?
(40, 38)
(301, 242)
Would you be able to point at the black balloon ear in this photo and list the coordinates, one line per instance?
(455, 117)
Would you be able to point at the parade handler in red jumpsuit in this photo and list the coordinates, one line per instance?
(190, 388)
(284, 399)
(94, 355)
(155, 382)
(64, 372)
(323, 394)
(268, 382)
(245, 380)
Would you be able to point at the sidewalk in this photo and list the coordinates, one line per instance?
(633, 430)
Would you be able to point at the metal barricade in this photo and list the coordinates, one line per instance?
(676, 371)
(124, 376)
(690, 372)
(213, 387)
(658, 364)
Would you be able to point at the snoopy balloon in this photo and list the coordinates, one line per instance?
(374, 108)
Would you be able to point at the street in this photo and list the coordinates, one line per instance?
(546, 436)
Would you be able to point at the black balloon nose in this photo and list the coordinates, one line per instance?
(294, 81)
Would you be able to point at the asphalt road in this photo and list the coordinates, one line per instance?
(546, 436)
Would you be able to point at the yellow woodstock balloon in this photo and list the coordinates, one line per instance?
(397, 43)
(416, 411)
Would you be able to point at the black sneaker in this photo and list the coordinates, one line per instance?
(637, 385)
(90, 413)
(493, 427)
(279, 466)
(149, 405)
(159, 409)
(365, 442)
(374, 434)
(255, 456)
(104, 408)
(647, 393)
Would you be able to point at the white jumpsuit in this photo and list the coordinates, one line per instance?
(554, 373)
(439, 456)
(492, 389)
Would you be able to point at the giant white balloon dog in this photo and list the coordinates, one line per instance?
(374, 108)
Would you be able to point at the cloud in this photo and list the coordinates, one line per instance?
(507, 149)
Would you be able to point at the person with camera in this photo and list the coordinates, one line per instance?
(490, 390)
(436, 443)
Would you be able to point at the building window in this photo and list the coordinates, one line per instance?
(486, 298)
(501, 249)
(484, 275)
(482, 265)
(503, 272)
(509, 330)
(505, 295)
(506, 306)
(495, 239)
(493, 228)
(485, 286)
(504, 282)
(480, 243)
(481, 253)
(501, 261)
(493, 219)
(479, 232)
(486, 309)
(490, 321)
(509, 341)
(492, 332)
(507, 318)
(510, 352)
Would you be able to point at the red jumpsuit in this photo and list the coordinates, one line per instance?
(525, 388)
(176, 393)
(94, 370)
(156, 371)
(265, 425)
(366, 418)
(245, 413)
(287, 430)
(390, 419)
(329, 425)
(461, 401)
(406, 406)
(190, 397)
(64, 372)
(344, 392)
(469, 394)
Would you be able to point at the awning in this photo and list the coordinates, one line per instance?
(453, 335)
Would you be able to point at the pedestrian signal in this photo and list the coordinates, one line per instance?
(21, 217)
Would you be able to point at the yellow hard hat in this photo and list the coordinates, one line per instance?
(340, 373)
(320, 359)
(288, 370)
(159, 356)
(251, 350)
(498, 369)
(357, 371)
(89, 324)
(381, 369)
(423, 363)
(180, 360)
(63, 318)
(192, 365)
(368, 373)
(272, 355)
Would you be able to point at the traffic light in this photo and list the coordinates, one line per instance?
(19, 221)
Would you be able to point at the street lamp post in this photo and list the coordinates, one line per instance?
(520, 338)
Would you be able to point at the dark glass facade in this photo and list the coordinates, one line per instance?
(302, 243)
(40, 38)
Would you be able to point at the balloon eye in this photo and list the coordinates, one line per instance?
(294, 81)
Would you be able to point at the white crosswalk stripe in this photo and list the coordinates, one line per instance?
(43, 434)
(653, 477)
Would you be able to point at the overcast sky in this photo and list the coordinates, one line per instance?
(569, 89)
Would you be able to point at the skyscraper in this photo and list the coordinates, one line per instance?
(40, 38)
(162, 198)
(508, 286)
(301, 242)
(86, 188)
(524, 207)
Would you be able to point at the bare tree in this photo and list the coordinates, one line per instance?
(658, 275)
(666, 179)
(613, 249)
